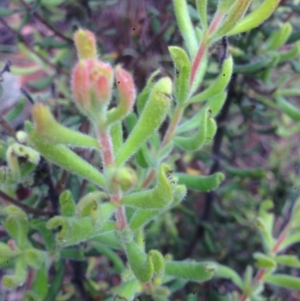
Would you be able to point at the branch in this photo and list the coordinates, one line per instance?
(23, 206)
(42, 20)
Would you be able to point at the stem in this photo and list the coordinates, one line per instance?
(149, 179)
(172, 127)
(28, 209)
(104, 140)
(107, 151)
(199, 56)
(215, 23)
(262, 272)
(7, 127)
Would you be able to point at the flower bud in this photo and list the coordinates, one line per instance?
(123, 177)
(85, 43)
(92, 86)
(127, 95)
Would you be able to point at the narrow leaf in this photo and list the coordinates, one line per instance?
(67, 159)
(256, 17)
(285, 281)
(151, 118)
(193, 271)
(201, 183)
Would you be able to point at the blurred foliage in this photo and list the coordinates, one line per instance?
(256, 144)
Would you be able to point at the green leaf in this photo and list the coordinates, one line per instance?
(202, 137)
(158, 197)
(201, 183)
(190, 124)
(53, 132)
(185, 26)
(109, 239)
(111, 255)
(75, 230)
(19, 276)
(236, 12)
(24, 70)
(290, 54)
(224, 5)
(144, 158)
(16, 224)
(15, 111)
(192, 271)
(52, 3)
(285, 281)
(288, 108)
(143, 96)
(158, 263)
(86, 203)
(35, 258)
(202, 11)
(279, 37)
(39, 287)
(218, 86)
(266, 216)
(263, 261)
(223, 271)
(56, 281)
(288, 260)
(46, 233)
(141, 217)
(67, 159)
(256, 17)
(6, 251)
(67, 204)
(253, 173)
(41, 83)
(216, 103)
(126, 291)
(73, 254)
(253, 66)
(140, 262)
(157, 105)
(182, 66)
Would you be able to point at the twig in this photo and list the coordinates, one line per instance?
(23, 206)
(46, 61)
(78, 280)
(42, 20)
(7, 127)
(47, 180)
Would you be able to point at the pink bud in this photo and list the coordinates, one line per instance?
(126, 88)
(92, 85)
(127, 94)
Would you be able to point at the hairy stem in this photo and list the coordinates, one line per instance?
(104, 140)
(172, 127)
